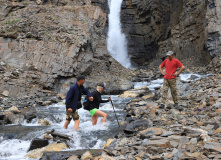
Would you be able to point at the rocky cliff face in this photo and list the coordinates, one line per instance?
(50, 42)
(189, 28)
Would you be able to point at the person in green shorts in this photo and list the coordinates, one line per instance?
(94, 108)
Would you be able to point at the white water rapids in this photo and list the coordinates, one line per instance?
(116, 40)
(15, 139)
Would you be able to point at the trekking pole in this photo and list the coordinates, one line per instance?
(115, 113)
(111, 99)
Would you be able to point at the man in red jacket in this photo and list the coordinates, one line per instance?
(171, 64)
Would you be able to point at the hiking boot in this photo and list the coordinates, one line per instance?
(162, 106)
(176, 106)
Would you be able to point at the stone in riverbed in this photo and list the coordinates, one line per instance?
(2, 116)
(38, 143)
(11, 118)
(193, 77)
(137, 124)
(30, 116)
(87, 156)
(46, 136)
(46, 103)
(73, 158)
(58, 155)
(61, 96)
(14, 110)
(59, 135)
(43, 122)
(109, 141)
(138, 92)
(104, 157)
(37, 153)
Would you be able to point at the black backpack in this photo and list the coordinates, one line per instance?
(87, 104)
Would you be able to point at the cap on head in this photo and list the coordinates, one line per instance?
(169, 53)
(101, 85)
(80, 77)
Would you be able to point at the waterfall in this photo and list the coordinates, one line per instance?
(116, 40)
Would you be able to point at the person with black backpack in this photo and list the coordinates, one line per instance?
(93, 106)
(73, 102)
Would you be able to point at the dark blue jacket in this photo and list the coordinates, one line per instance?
(72, 96)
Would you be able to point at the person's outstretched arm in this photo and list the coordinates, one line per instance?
(86, 92)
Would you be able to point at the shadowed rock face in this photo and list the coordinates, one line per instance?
(189, 28)
(53, 42)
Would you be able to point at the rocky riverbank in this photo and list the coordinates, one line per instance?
(192, 132)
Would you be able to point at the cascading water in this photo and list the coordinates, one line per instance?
(116, 41)
(15, 139)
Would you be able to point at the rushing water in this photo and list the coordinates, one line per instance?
(15, 139)
(159, 82)
(116, 41)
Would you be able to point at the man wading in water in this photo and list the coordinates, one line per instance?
(73, 102)
(171, 64)
(94, 107)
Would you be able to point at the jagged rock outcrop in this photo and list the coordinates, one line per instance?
(189, 28)
(52, 43)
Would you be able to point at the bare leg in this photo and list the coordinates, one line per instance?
(66, 124)
(101, 114)
(94, 120)
(76, 124)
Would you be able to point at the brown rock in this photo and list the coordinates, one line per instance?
(168, 155)
(138, 158)
(153, 112)
(47, 136)
(196, 154)
(109, 141)
(14, 109)
(43, 122)
(37, 153)
(200, 123)
(61, 95)
(73, 158)
(202, 105)
(218, 111)
(218, 130)
(165, 143)
(213, 146)
(87, 156)
(187, 154)
(151, 131)
(38, 2)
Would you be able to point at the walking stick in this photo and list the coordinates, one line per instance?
(115, 113)
(112, 101)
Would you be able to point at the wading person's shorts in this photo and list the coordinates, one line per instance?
(92, 112)
(72, 115)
